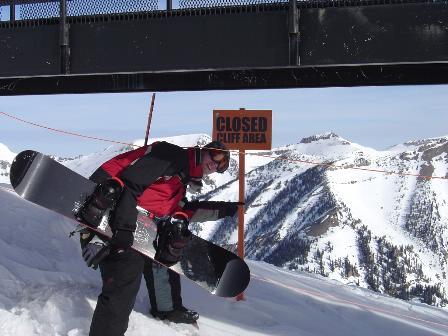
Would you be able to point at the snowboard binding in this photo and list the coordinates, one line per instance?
(172, 237)
(103, 198)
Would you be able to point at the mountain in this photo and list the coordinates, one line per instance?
(6, 157)
(381, 231)
(46, 290)
(345, 219)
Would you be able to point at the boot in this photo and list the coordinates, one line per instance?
(180, 315)
(193, 314)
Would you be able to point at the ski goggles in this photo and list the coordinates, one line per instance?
(221, 157)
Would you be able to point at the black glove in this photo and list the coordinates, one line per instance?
(122, 239)
(228, 209)
(93, 253)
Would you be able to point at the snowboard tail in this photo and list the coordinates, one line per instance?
(44, 181)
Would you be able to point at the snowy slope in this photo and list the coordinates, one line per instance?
(46, 290)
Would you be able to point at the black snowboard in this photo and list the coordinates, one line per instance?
(43, 181)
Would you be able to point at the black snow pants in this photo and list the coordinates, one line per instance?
(121, 274)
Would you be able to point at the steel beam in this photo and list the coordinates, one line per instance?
(245, 47)
(262, 78)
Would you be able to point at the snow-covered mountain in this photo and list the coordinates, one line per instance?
(385, 232)
(6, 157)
(46, 290)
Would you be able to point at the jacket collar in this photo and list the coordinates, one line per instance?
(194, 160)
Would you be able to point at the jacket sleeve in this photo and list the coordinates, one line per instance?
(164, 159)
(99, 175)
(203, 211)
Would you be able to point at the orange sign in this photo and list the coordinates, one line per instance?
(243, 129)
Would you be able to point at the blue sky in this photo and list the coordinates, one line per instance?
(376, 117)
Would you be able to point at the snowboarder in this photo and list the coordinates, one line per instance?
(154, 177)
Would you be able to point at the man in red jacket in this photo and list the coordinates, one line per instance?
(155, 178)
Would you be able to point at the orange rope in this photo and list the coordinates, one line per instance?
(328, 165)
(331, 165)
(65, 132)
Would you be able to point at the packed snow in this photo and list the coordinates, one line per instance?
(47, 290)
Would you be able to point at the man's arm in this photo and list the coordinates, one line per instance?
(203, 211)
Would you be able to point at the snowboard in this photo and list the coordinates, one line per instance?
(44, 181)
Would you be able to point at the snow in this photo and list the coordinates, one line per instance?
(6, 154)
(6, 157)
(47, 290)
(256, 159)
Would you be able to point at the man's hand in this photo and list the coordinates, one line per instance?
(94, 253)
(122, 239)
(228, 209)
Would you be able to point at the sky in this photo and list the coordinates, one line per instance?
(377, 117)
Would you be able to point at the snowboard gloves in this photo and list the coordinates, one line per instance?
(96, 249)
(224, 208)
(122, 239)
(94, 252)
(228, 209)
(172, 237)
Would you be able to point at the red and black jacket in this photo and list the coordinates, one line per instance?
(155, 178)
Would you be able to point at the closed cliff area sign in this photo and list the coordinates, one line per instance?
(243, 129)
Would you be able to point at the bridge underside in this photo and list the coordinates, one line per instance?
(245, 47)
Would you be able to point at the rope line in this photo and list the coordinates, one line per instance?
(65, 132)
(323, 164)
(332, 165)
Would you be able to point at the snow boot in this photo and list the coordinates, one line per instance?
(181, 315)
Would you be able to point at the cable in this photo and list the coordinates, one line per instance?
(66, 132)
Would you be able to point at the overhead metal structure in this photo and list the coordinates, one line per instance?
(82, 46)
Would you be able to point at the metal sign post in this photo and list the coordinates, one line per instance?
(243, 130)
